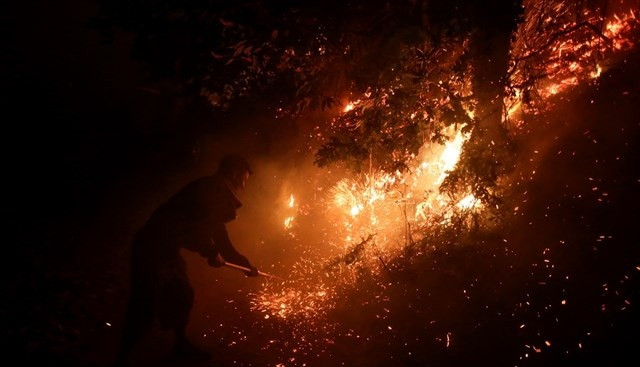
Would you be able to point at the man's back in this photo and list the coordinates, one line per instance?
(204, 201)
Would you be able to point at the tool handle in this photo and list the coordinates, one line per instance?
(243, 268)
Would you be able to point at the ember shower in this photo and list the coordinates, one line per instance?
(425, 101)
(376, 215)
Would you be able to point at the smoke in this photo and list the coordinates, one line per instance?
(285, 184)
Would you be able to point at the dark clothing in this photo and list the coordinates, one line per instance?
(193, 219)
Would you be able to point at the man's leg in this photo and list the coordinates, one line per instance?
(185, 349)
(182, 299)
(137, 323)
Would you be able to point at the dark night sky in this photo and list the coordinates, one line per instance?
(81, 117)
(83, 113)
(70, 96)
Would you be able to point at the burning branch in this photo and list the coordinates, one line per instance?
(558, 45)
(352, 255)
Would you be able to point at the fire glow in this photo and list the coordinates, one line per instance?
(376, 215)
(367, 215)
(370, 214)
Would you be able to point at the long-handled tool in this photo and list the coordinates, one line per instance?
(238, 267)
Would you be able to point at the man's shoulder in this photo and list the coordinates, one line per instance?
(211, 182)
(211, 186)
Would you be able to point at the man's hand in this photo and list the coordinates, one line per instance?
(253, 272)
(216, 262)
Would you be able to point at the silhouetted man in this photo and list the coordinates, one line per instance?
(194, 219)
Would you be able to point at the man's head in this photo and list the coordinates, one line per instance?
(235, 169)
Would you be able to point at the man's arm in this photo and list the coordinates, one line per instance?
(224, 246)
